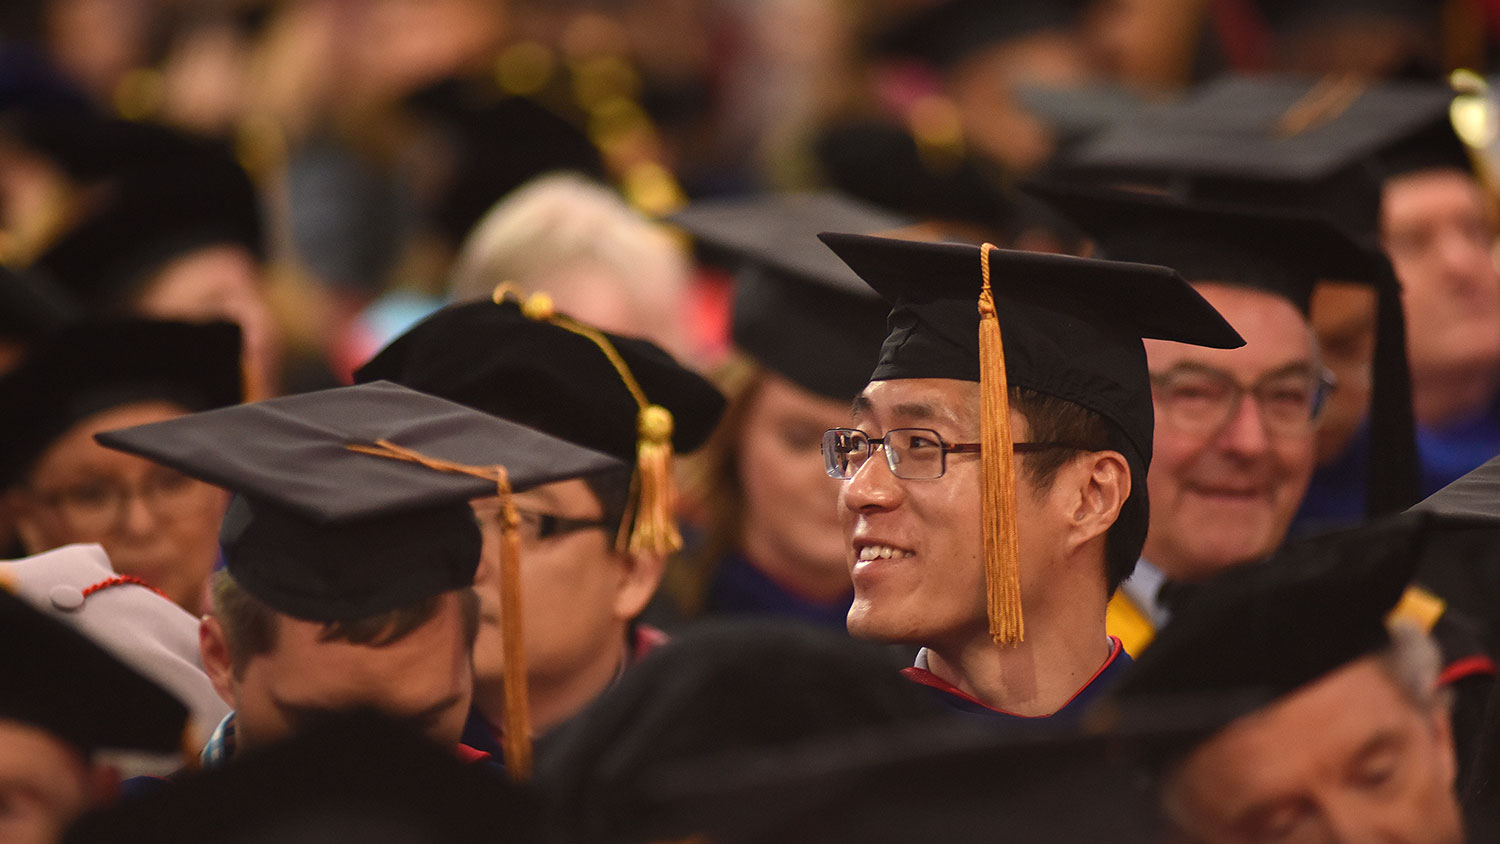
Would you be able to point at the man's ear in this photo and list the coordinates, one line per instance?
(213, 646)
(1103, 484)
(642, 574)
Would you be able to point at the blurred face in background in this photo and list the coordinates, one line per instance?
(790, 524)
(1226, 478)
(154, 522)
(1440, 236)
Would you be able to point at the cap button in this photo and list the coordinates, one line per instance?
(66, 598)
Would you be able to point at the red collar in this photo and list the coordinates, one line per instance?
(927, 678)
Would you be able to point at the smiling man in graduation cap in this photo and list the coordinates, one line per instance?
(351, 550)
(1004, 513)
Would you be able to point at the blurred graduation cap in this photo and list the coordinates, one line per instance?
(1072, 329)
(798, 309)
(945, 32)
(738, 686)
(29, 307)
(623, 396)
(89, 367)
(886, 165)
(162, 194)
(1282, 252)
(932, 782)
(57, 679)
(354, 778)
(355, 501)
(496, 144)
(1319, 145)
(1263, 631)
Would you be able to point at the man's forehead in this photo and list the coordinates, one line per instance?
(948, 400)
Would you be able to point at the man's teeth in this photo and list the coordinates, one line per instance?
(881, 552)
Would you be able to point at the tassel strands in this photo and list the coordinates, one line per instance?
(652, 520)
(998, 475)
(515, 741)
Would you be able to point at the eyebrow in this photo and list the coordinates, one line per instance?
(302, 710)
(1296, 367)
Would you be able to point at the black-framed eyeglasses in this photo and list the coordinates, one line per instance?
(98, 506)
(1201, 400)
(915, 454)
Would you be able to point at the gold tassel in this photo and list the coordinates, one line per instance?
(997, 483)
(515, 737)
(651, 523)
(655, 529)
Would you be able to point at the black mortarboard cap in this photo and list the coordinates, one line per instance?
(727, 686)
(1323, 146)
(1264, 630)
(162, 194)
(1283, 252)
(353, 778)
(88, 367)
(55, 678)
(322, 532)
(1072, 326)
(798, 309)
(945, 32)
(1071, 329)
(1473, 497)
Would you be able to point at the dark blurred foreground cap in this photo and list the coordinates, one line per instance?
(798, 309)
(722, 687)
(88, 367)
(940, 782)
(1285, 253)
(323, 532)
(356, 778)
(1264, 630)
(57, 679)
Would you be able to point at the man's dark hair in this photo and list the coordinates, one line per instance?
(1052, 419)
(250, 624)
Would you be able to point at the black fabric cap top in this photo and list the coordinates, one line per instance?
(1072, 327)
(947, 31)
(1280, 252)
(165, 194)
(1267, 629)
(354, 777)
(798, 309)
(1282, 140)
(323, 533)
(491, 357)
(92, 366)
(55, 678)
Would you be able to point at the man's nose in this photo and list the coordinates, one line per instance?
(873, 487)
(1244, 433)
